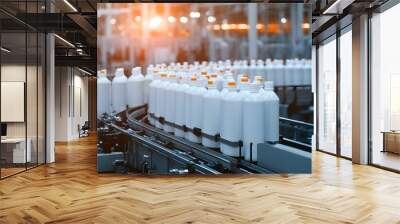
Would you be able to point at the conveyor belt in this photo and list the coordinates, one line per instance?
(212, 156)
(203, 159)
(201, 168)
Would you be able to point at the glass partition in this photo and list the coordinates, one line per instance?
(385, 89)
(22, 88)
(32, 97)
(41, 96)
(346, 93)
(327, 96)
(15, 149)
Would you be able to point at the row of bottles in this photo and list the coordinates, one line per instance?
(294, 72)
(188, 95)
(216, 104)
(115, 95)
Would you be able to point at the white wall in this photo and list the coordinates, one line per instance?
(71, 102)
(14, 73)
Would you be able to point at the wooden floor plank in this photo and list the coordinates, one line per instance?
(71, 191)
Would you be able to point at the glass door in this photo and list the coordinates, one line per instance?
(385, 90)
(15, 149)
(22, 77)
(327, 96)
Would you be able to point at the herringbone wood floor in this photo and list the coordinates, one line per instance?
(70, 191)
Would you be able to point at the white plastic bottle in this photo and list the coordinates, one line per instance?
(269, 70)
(259, 80)
(211, 114)
(170, 99)
(160, 99)
(253, 120)
(242, 80)
(271, 113)
(197, 108)
(252, 69)
(260, 69)
(298, 74)
(180, 106)
(236, 67)
(152, 97)
(103, 93)
(308, 72)
(188, 110)
(147, 80)
(135, 88)
(118, 91)
(279, 73)
(231, 119)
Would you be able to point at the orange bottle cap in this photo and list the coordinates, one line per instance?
(244, 79)
(232, 84)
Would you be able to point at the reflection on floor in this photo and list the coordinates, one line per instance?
(387, 159)
(71, 191)
(10, 171)
(13, 169)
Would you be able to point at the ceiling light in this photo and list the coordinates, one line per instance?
(211, 19)
(138, 18)
(5, 50)
(337, 7)
(306, 26)
(171, 19)
(70, 5)
(243, 26)
(155, 22)
(225, 26)
(232, 26)
(183, 19)
(113, 21)
(65, 41)
(194, 14)
(84, 71)
(283, 20)
(259, 26)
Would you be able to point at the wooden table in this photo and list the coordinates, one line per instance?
(391, 141)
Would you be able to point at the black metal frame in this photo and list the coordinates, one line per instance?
(369, 100)
(337, 35)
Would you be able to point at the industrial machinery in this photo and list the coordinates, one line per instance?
(141, 147)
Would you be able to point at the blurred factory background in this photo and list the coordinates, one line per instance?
(143, 34)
